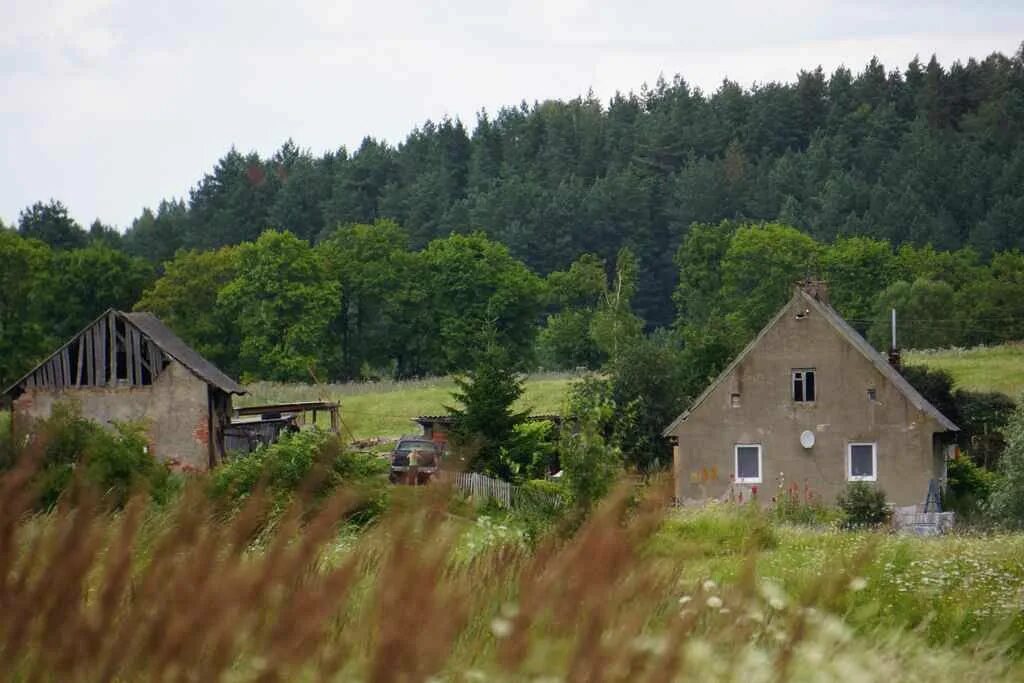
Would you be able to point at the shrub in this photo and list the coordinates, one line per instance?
(1007, 500)
(863, 505)
(968, 488)
(590, 464)
(116, 463)
(310, 459)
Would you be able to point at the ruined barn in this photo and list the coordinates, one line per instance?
(132, 367)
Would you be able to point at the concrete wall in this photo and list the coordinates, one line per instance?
(842, 413)
(175, 409)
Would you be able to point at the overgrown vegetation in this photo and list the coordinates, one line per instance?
(70, 450)
(863, 506)
(312, 459)
(636, 594)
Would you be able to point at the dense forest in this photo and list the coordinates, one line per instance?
(569, 227)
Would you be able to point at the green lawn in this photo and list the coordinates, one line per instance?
(984, 368)
(387, 408)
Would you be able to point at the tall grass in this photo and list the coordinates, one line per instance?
(386, 408)
(636, 594)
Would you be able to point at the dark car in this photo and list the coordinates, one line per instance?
(414, 461)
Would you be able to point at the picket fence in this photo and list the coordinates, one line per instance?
(481, 487)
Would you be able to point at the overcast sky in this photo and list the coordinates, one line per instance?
(111, 105)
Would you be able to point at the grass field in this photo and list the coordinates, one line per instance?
(983, 368)
(387, 408)
(639, 593)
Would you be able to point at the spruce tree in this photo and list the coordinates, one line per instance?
(485, 422)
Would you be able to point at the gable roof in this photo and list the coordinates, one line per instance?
(853, 338)
(164, 338)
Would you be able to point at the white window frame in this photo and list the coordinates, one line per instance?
(803, 383)
(874, 461)
(736, 464)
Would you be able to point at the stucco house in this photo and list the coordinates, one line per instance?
(810, 400)
(130, 366)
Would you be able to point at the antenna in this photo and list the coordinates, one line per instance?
(893, 329)
(894, 353)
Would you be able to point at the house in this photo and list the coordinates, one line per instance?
(130, 366)
(809, 401)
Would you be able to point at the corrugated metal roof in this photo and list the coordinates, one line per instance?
(850, 335)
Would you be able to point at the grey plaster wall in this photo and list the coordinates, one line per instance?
(842, 413)
(175, 410)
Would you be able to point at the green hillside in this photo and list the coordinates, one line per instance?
(386, 408)
(983, 368)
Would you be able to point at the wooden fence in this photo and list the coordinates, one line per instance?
(481, 488)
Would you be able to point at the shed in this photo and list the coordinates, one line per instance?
(438, 427)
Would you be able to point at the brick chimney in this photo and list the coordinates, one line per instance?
(816, 288)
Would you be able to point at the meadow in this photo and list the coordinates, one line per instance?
(386, 408)
(438, 590)
(982, 368)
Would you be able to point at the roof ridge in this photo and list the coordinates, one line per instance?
(848, 333)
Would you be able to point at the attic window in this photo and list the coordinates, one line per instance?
(734, 400)
(872, 394)
(804, 389)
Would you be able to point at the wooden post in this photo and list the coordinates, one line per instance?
(80, 371)
(112, 343)
(136, 356)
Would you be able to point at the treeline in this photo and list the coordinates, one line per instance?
(925, 154)
(364, 302)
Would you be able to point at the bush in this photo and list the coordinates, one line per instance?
(590, 464)
(1007, 500)
(863, 505)
(117, 463)
(310, 459)
(968, 488)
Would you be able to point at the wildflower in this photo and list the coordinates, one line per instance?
(714, 602)
(501, 628)
(685, 599)
(858, 583)
(709, 586)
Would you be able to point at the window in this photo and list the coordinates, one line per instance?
(734, 400)
(872, 395)
(803, 385)
(748, 464)
(861, 462)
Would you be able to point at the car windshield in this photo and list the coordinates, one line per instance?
(409, 446)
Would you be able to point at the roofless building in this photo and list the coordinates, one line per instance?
(132, 367)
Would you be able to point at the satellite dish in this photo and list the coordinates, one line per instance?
(807, 439)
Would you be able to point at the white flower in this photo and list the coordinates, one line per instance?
(685, 599)
(501, 628)
(714, 602)
(709, 585)
(858, 583)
